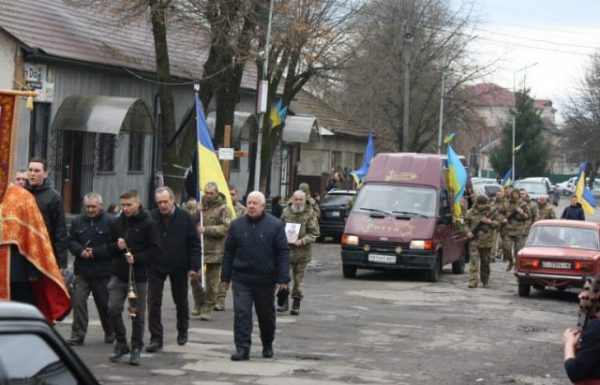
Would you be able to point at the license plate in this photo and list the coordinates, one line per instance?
(334, 214)
(557, 265)
(382, 258)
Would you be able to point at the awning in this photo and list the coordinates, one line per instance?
(301, 129)
(243, 123)
(104, 115)
(325, 132)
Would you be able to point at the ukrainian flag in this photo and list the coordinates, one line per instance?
(449, 137)
(457, 177)
(583, 194)
(507, 178)
(519, 146)
(209, 168)
(278, 114)
(359, 175)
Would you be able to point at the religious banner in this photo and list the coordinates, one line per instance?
(8, 114)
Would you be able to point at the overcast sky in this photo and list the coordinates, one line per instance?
(559, 35)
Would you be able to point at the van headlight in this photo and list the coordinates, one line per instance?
(421, 244)
(350, 240)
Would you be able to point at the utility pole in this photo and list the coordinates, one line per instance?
(408, 39)
(262, 100)
(514, 119)
(441, 110)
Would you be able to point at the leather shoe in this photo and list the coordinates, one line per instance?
(135, 358)
(182, 337)
(154, 347)
(74, 341)
(121, 348)
(268, 352)
(240, 355)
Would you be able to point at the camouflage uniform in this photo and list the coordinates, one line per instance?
(514, 240)
(216, 221)
(546, 211)
(240, 210)
(534, 216)
(300, 255)
(480, 247)
(498, 236)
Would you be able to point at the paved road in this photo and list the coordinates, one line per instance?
(380, 328)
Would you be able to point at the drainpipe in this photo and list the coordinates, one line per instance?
(154, 153)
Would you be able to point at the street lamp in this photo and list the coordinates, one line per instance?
(442, 107)
(513, 176)
(408, 39)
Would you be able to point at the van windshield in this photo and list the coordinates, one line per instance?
(396, 200)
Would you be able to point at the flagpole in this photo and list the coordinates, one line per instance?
(199, 189)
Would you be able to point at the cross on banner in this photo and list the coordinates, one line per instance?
(236, 154)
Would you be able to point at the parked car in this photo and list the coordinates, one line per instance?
(487, 189)
(334, 211)
(536, 187)
(559, 254)
(32, 352)
(567, 187)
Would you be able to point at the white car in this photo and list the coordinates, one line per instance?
(567, 187)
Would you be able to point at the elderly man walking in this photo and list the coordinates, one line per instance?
(257, 259)
(179, 259)
(545, 209)
(299, 215)
(215, 226)
(88, 239)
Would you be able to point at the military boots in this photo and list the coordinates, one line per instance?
(295, 307)
(206, 314)
(196, 310)
(220, 305)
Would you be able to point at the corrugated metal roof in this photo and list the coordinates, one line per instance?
(95, 35)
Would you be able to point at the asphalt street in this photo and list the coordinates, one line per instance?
(380, 328)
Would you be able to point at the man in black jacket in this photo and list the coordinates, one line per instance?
(257, 257)
(50, 204)
(88, 239)
(134, 242)
(574, 211)
(180, 259)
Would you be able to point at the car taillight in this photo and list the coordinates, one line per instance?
(529, 262)
(583, 265)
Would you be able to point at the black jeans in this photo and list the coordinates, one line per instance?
(179, 291)
(263, 298)
(98, 286)
(117, 295)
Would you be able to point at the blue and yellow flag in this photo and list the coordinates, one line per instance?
(209, 168)
(507, 179)
(457, 177)
(449, 137)
(519, 147)
(278, 114)
(359, 175)
(583, 194)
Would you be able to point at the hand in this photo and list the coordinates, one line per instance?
(571, 337)
(282, 286)
(85, 254)
(505, 220)
(519, 210)
(129, 258)
(192, 273)
(470, 235)
(90, 253)
(199, 207)
(201, 229)
(225, 285)
(62, 272)
(121, 243)
(487, 221)
(299, 243)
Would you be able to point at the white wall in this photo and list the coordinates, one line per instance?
(8, 49)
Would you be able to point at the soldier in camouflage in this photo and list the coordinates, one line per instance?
(216, 219)
(298, 211)
(514, 215)
(240, 210)
(481, 220)
(310, 201)
(545, 209)
(498, 235)
(533, 211)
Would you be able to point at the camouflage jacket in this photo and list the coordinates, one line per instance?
(315, 207)
(484, 237)
(517, 222)
(546, 211)
(309, 231)
(534, 215)
(216, 220)
(240, 209)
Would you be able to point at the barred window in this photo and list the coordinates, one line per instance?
(107, 152)
(136, 151)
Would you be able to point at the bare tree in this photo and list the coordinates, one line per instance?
(581, 132)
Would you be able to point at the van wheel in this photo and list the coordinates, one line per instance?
(349, 271)
(458, 267)
(433, 274)
(524, 290)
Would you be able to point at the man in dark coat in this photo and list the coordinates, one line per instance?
(573, 211)
(257, 258)
(88, 239)
(134, 242)
(50, 204)
(179, 259)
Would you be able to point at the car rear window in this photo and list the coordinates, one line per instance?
(563, 236)
(532, 187)
(335, 199)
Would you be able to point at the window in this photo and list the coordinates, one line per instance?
(396, 199)
(38, 136)
(336, 159)
(106, 148)
(27, 358)
(136, 152)
(358, 160)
